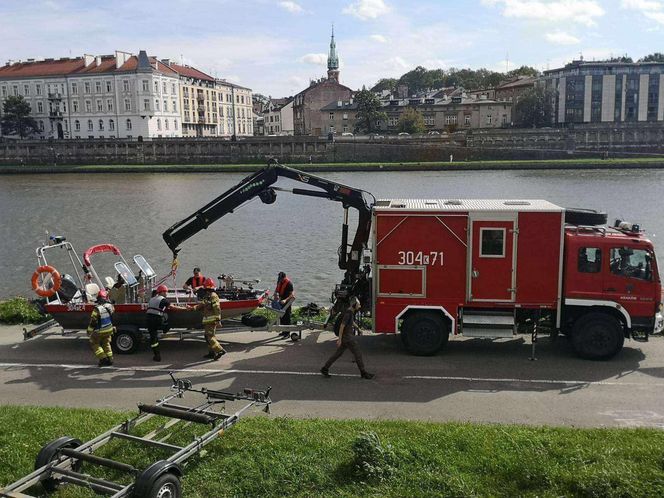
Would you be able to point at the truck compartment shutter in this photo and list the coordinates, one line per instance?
(404, 281)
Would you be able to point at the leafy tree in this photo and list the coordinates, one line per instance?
(656, 57)
(385, 84)
(522, 71)
(411, 121)
(534, 108)
(368, 111)
(16, 119)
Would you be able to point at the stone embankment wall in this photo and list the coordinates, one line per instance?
(478, 145)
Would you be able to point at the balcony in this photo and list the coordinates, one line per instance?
(201, 119)
(200, 97)
(201, 108)
(55, 114)
(55, 96)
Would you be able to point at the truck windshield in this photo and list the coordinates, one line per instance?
(632, 263)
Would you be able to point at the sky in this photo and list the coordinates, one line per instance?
(275, 47)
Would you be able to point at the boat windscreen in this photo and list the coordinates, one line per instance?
(126, 273)
(145, 267)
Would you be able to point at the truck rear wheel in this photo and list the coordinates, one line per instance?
(597, 336)
(424, 333)
(125, 340)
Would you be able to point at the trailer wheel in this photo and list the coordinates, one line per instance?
(424, 333)
(597, 336)
(125, 341)
(166, 486)
(49, 452)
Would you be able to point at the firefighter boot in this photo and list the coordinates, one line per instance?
(156, 354)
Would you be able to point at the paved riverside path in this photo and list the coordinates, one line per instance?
(472, 380)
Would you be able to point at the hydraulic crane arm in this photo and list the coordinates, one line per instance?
(259, 184)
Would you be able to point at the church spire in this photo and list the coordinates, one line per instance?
(333, 60)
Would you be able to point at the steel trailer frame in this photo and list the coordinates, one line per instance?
(65, 455)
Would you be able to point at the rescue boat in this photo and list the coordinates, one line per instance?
(70, 297)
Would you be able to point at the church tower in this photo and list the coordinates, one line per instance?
(333, 61)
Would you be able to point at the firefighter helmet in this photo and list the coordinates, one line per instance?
(102, 294)
(162, 288)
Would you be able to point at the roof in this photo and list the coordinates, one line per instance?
(189, 72)
(345, 105)
(47, 67)
(525, 81)
(466, 205)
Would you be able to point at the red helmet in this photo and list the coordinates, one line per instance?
(102, 294)
(161, 288)
(209, 284)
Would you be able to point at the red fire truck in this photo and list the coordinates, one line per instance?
(432, 269)
(493, 268)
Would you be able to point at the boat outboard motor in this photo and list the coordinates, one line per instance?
(68, 288)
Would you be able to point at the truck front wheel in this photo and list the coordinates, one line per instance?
(597, 336)
(424, 333)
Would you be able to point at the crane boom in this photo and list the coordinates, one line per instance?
(259, 184)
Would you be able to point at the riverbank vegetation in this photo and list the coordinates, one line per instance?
(545, 164)
(19, 310)
(273, 456)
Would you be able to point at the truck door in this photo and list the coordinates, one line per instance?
(492, 266)
(631, 279)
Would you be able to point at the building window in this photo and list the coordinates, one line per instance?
(88, 106)
(4, 91)
(489, 119)
(40, 107)
(111, 125)
(166, 123)
(90, 128)
(156, 104)
(158, 124)
(146, 104)
(163, 87)
(173, 91)
(38, 89)
(156, 87)
(26, 89)
(74, 88)
(127, 105)
(15, 90)
(86, 86)
(101, 125)
(128, 124)
(100, 106)
(175, 107)
(175, 124)
(74, 105)
(165, 106)
(109, 86)
(125, 85)
(77, 125)
(98, 86)
(41, 126)
(109, 105)
(451, 119)
(146, 88)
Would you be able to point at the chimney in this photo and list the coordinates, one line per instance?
(121, 58)
(88, 59)
(31, 60)
(98, 60)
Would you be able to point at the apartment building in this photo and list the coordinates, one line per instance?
(278, 117)
(104, 96)
(607, 92)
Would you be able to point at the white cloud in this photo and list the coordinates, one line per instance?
(561, 38)
(653, 10)
(367, 9)
(578, 11)
(378, 38)
(292, 7)
(316, 59)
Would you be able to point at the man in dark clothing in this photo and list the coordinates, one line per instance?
(157, 317)
(284, 293)
(347, 340)
(196, 281)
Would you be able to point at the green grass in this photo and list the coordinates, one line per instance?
(284, 457)
(19, 310)
(344, 166)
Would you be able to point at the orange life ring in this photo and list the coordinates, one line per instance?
(41, 290)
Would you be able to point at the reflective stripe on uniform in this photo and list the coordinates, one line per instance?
(105, 324)
(211, 319)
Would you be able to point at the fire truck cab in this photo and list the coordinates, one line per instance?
(498, 268)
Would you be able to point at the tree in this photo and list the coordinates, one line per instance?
(534, 108)
(656, 57)
(16, 119)
(411, 121)
(385, 84)
(368, 111)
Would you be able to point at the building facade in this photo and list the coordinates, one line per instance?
(307, 105)
(607, 92)
(110, 96)
(278, 117)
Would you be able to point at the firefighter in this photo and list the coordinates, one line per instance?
(211, 307)
(101, 329)
(284, 294)
(347, 340)
(157, 318)
(195, 282)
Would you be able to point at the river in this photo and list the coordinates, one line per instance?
(298, 235)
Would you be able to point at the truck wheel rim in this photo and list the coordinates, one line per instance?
(125, 342)
(167, 491)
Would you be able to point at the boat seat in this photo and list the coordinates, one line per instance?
(109, 281)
